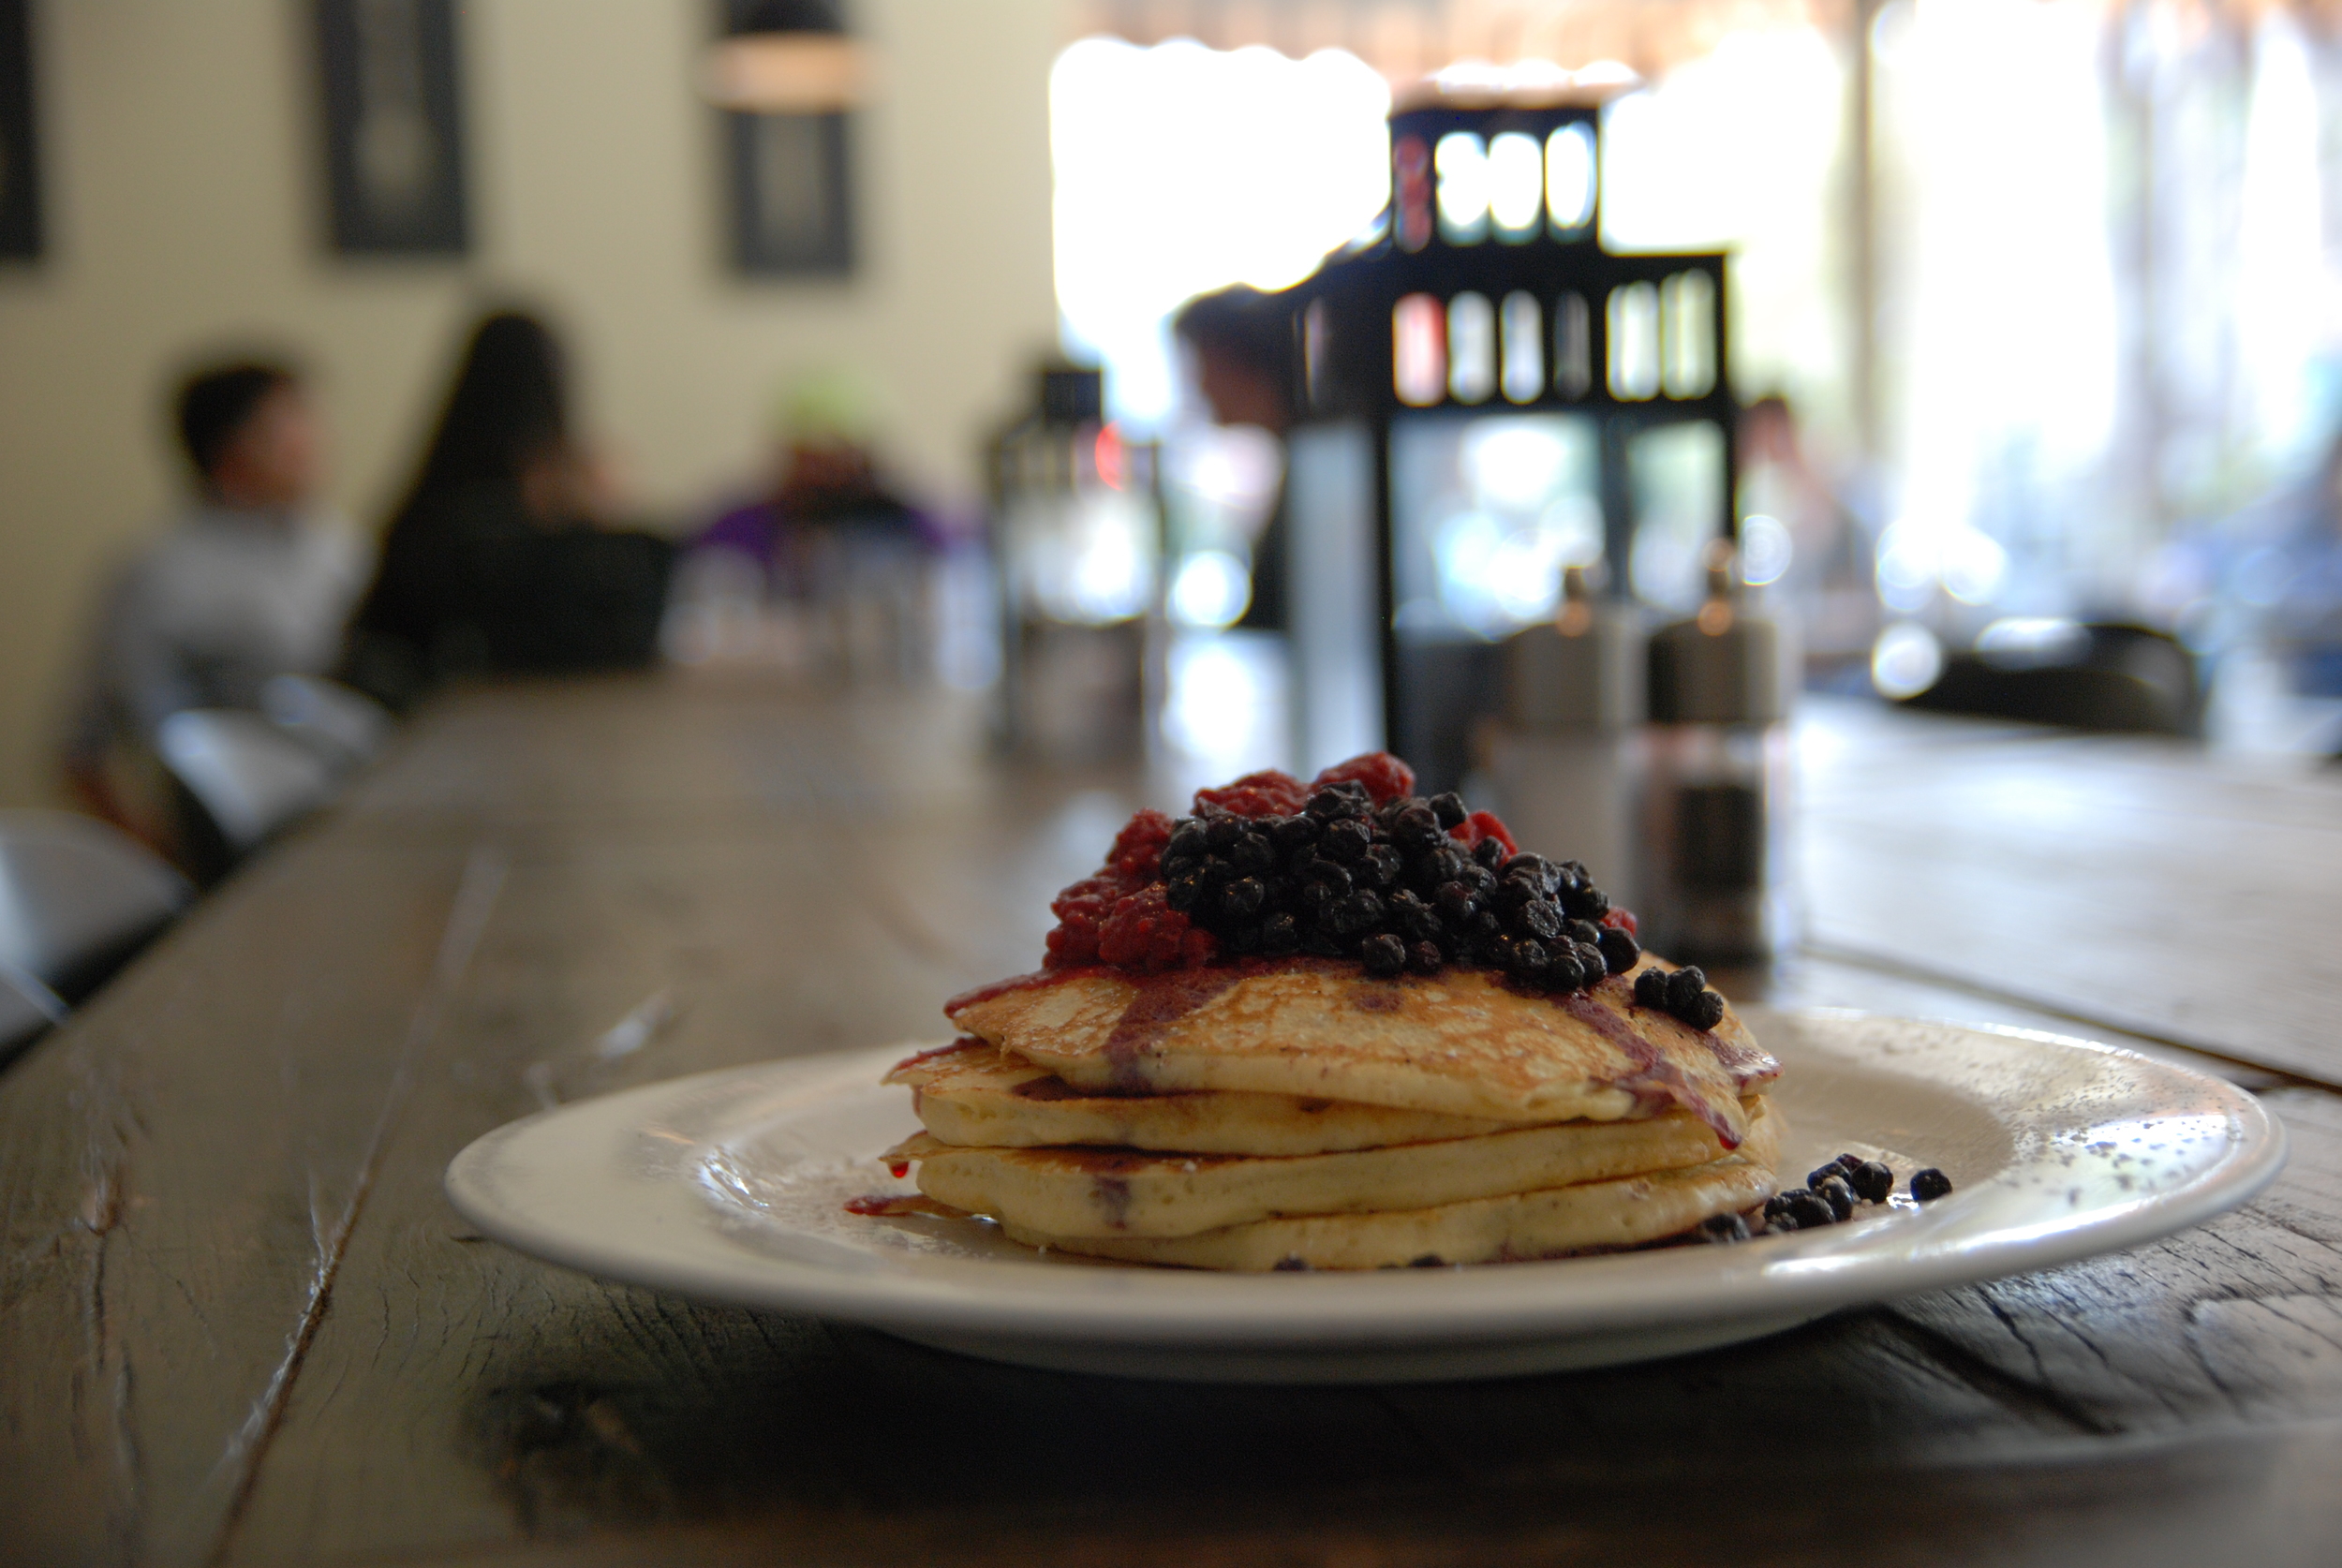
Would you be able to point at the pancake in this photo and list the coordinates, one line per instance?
(1459, 1043)
(1551, 1222)
(1090, 1192)
(972, 1093)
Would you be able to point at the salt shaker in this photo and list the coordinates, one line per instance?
(1565, 758)
(1715, 809)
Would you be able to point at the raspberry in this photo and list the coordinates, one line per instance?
(1622, 920)
(1137, 853)
(1385, 777)
(1266, 794)
(1145, 933)
(1484, 825)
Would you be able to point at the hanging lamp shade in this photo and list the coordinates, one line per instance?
(785, 57)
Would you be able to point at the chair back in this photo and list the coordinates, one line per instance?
(249, 776)
(350, 727)
(77, 900)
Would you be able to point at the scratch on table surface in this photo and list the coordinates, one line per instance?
(484, 872)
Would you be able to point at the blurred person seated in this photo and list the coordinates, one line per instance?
(500, 560)
(1814, 556)
(249, 582)
(1239, 342)
(829, 541)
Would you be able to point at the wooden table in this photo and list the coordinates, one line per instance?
(239, 1324)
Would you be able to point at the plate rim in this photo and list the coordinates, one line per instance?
(1551, 1299)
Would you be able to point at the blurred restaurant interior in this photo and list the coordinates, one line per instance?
(2027, 305)
(1741, 441)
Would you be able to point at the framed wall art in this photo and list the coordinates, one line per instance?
(19, 149)
(394, 127)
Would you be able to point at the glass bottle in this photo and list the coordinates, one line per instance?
(1716, 817)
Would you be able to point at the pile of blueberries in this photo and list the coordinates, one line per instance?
(1343, 878)
(1829, 1195)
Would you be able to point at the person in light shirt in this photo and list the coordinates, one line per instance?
(249, 579)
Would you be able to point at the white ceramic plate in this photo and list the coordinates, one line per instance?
(730, 1186)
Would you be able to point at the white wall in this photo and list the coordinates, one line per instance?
(183, 215)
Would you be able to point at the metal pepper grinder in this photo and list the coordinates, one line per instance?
(1567, 758)
(1716, 807)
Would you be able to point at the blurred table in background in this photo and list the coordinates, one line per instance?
(239, 1324)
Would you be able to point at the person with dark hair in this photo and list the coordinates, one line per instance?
(1241, 342)
(247, 583)
(497, 561)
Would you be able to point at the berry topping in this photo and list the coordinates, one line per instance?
(1872, 1182)
(1351, 864)
(1833, 1190)
(1929, 1184)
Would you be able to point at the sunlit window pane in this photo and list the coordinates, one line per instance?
(1687, 336)
(1471, 347)
(1516, 181)
(1419, 344)
(1570, 177)
(1525, 348)
(1462, 162)
(1633, 341)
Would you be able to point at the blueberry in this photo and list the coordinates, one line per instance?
(1292, 1263)
(1280, 935)
(1349, 916)
(1347, 841)
(1543, 917)
(1683, 986)
(1815, 1177)
(1425, 957)
(1584, 931)
(1448, 809)
(1929, 1184)
(1706, 1012)
(1724, 1228)
(1586, 901)
(1242, 898)
(1326, 874)
(1591, 966)
(1384, 955)
(1833, 1190)
(1871, 1182)
(1381, 866)
(1320, 944)
(1809, 1210)
(1529, 958)
(1185, 893)
(1455, 902)
(1339, 801)
(1489, 854)
(1415, 828)
(1254, 854)
(1188, 837)
(1620, 952)
(1651, 989)
(1290, 834)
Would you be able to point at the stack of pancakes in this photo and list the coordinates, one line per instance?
(1298, 1113)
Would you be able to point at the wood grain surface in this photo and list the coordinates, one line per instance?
(239, 1322)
